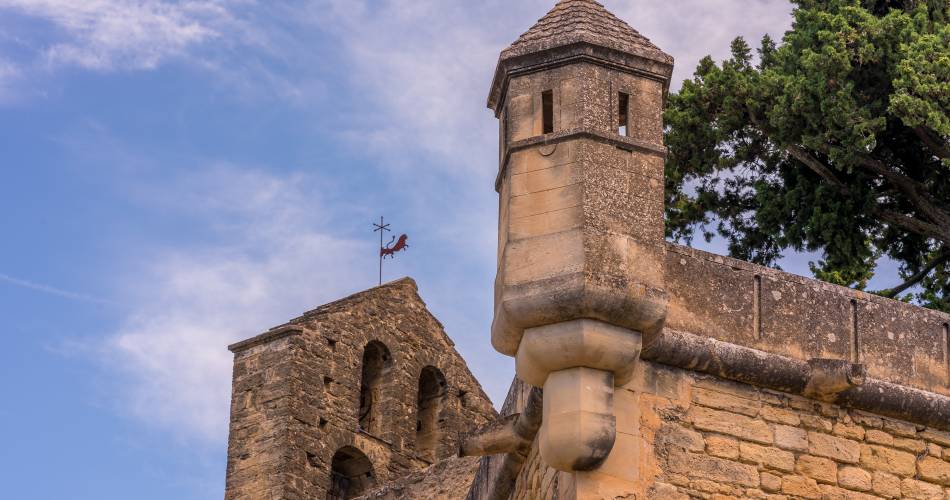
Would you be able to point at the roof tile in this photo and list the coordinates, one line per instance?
(572, 21)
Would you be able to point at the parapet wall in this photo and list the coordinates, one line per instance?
(781, 313)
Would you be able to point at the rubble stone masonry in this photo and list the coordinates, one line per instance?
(296, 400)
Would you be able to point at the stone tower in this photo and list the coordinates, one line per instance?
(347, 397)
(581, 248)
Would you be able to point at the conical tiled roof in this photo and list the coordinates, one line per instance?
(573, 21)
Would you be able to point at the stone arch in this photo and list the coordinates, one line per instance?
(351, 474)
(376, 368)
(429, 403)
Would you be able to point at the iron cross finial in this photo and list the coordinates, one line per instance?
(382, 227)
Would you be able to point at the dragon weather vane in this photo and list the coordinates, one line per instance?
(390, 248)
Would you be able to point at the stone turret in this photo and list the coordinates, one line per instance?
(581, 242)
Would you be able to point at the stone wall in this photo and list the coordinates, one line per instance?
(260, 419)
(754, 306)
(701, 437)
(296, 395)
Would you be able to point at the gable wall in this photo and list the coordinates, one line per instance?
(318, 370)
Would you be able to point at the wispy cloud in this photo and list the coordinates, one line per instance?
(693, 29)
(110, 34)
(51, 290)
(274, 257)
(239, 42)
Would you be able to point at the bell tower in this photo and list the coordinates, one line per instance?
(581, 247)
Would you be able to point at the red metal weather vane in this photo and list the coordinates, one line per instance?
(389, 249)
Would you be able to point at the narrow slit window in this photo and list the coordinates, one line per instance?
(547, 112)
(623, 113)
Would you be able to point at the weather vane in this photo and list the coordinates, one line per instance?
(389, 249)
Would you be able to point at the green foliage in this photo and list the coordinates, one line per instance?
(834, 140)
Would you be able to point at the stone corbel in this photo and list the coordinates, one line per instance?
(578, 363)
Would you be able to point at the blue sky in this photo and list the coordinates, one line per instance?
(177, 176)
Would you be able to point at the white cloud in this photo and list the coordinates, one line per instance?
(270, 263)
(693, 29)
(252, 49)
(113, 34)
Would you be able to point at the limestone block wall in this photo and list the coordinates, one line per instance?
(749, 305)
(296, 395)
(700, 437)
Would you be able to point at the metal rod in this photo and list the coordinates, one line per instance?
(380, 252)
(382, 227)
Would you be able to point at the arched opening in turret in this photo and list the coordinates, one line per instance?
(351, 474)
(432, 390)
(377, 365)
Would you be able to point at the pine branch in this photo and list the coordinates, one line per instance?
(941, 258)
(939, 225)
(914, 225)
(939, 147)
(817, 166)
(916, 192)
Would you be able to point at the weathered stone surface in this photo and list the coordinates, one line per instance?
(719, 470)
(888, 460)
(855, 432)
(722, 447)
(447, 479)
(781, 416)
(820, 469)
(829, 492)
(911, 488)
(934, 470)
(886, 485)
(800, 487)
(842, 450)
(791, 438)
(875, 436)
(734, 425)
(770, 482)
(725, 401)
(854, 478)
(768, 457)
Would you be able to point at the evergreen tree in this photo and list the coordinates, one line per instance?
(837, 139)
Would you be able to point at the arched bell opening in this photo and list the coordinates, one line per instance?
(351, 474)
(376, 368)
(432, 391)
